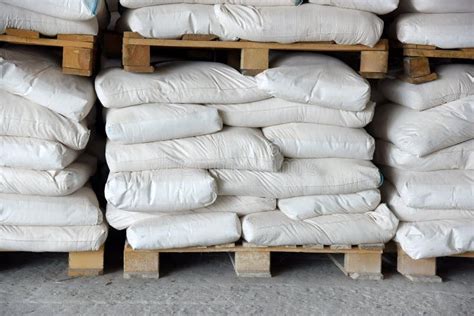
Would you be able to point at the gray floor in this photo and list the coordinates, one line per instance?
(205, 284)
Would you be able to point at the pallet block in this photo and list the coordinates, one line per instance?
(254, 56)
(417, 65)
(86, 263)
(421, 270)
(78, 50)
(360, 262)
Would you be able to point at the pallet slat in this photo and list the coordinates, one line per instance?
(254, 56)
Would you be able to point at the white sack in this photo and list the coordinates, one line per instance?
(133, 4)
(18, 18)
(171, 21)
(64, 9)
(436, 238)
(39, 78)
(300, 177)
(305, 207)
(233, 148)
(410, 214)
(455, 81)
(460, 156)
(316, 79)
(444, 189)
(437, 6)
(23, 118)
(240, 205)
(375, 6)
(423, 133)
(177, 82)
(276, 229)
(52, 238)
(276, 111)
(305, 140)
(45, 183)
(448, 30)
(181, 231)
(305, 23)
(33, 153)
(78, 209)
(157, 122)
(161, 190)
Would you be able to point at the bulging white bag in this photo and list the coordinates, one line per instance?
(375, 6)
(171, 21)
(46, 183)
(133, 4)
(455, 81)
(33, 153)
(23, 118)
(177, 82)
(179, 231)
(423, 133)
(52, 238)
(436, 238)
(444, 189)
(299, 177)
(39, 78)
(63, 9)
(276, 229)
(305, 23)
(437, 6)
(276, 111)
(170, 190)
(305, 140)
(446, 30)
(78, 209)
(233, 147)
(316, 79)
(460, 156)
(305, 207)
(14, 17)
(157, 122)
(410, 214)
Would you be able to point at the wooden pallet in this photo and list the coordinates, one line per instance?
(254, 56)
(360, 262)
(417, 64)
(421, 270)
(78, 50)
(85, 263)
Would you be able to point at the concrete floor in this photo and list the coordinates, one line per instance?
(205, 284)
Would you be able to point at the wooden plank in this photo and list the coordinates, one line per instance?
(464, 255)
(78, 58)
(304, 46)
(254, 61)
(44, 41)
(416, 67)
(22, 33)
(373, 75)
(367, 266)
(76, 37)
(374, 62)
(78, 72)
(142, 264)
(340, 247)
(418, 80)
(416, 46)
(199, 37)
(421, 270)
(136, 58)
(87, 263)
(439, 53)
(252, 264)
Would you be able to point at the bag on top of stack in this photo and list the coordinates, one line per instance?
(45, 203)
(444, 24)
(51, 17)
(263, 21)
(162, 141)
(426, 146)
(327, 189)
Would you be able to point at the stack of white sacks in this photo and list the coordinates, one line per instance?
(285, 21)
(45, 203)
(53, 17)
(426, 143)
(445, 24)
(180, 178)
